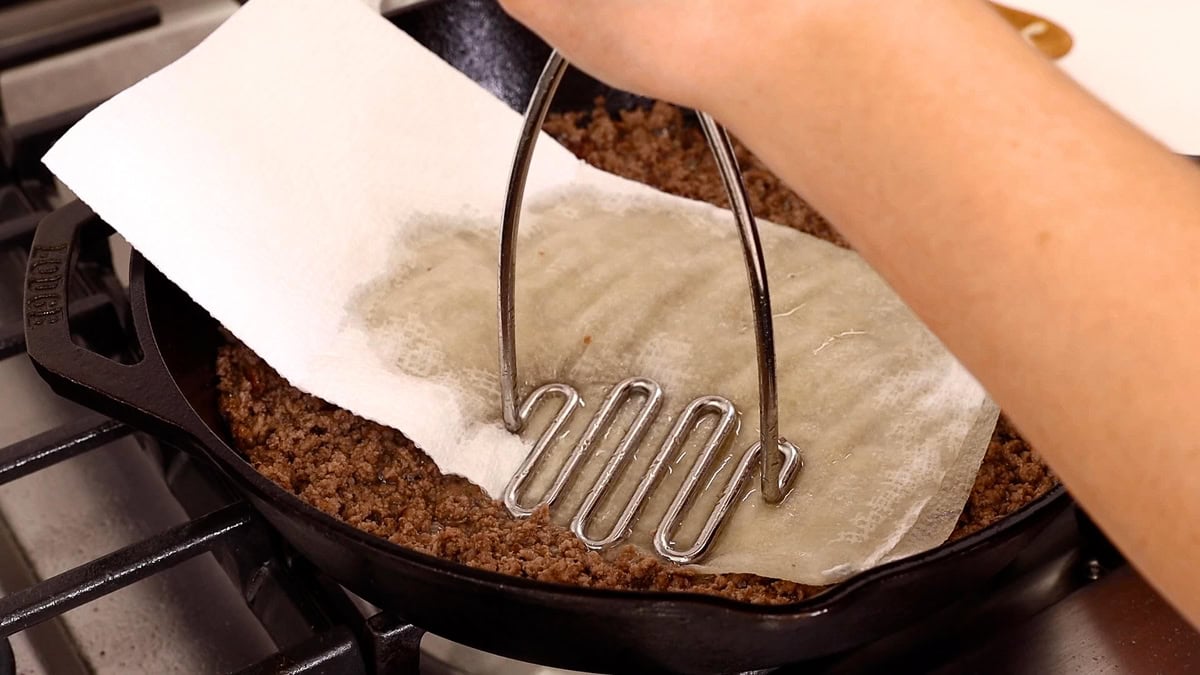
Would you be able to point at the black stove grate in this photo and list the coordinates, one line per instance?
(81, 32)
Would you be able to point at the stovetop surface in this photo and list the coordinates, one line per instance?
(121, 554)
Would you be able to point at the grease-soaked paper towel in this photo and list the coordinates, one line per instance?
(331, 192)
(1139, 57)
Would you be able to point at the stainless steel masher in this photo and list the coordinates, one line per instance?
(779, 460)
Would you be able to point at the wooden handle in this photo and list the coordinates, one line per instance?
(1050, 38)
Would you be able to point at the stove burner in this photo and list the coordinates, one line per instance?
(88, 30)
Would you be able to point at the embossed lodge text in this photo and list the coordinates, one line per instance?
(46, 300)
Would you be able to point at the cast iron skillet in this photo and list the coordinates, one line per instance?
(171, 391)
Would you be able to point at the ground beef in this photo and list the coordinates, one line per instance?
(373, 478)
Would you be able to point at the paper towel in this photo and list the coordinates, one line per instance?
(308, 154)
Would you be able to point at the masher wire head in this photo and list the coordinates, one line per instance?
(778, 459)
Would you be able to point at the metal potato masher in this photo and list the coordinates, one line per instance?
(779, 460)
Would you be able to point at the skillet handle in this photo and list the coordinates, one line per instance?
(125, 392)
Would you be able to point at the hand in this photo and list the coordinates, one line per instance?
(1046, 241)
(693, 52)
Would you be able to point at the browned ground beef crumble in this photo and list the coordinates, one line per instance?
(373, 478)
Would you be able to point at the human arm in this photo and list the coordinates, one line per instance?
(1045, 240)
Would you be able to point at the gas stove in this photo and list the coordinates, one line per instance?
(122, 554)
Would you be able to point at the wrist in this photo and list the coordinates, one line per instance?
(750, 60)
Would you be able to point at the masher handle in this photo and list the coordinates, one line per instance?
(774, 479)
